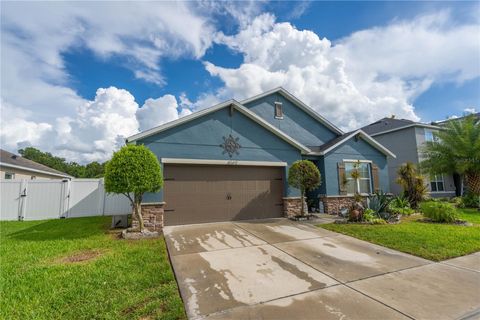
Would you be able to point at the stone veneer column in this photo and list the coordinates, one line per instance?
(292, 206)
(152, 216)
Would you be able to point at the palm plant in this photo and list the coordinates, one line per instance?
(456, 149)
(413, 184)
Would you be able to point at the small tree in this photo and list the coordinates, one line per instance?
(413, 184)
(133, 170)
(303, 175)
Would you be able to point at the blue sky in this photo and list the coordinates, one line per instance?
(357, 62)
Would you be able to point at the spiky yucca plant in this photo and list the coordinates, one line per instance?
(413, 184)
(456, 149)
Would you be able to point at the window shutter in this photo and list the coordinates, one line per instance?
(376, 181)
(341, 178)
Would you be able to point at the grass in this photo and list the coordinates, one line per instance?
(428, 240)
(42, 275)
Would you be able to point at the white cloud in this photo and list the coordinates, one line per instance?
(16, 131)
(158, 111)
(299, 9)
(100, 126)
(430, 46)
(373, 73)
(470, 110)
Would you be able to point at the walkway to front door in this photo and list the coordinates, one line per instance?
(278, 269)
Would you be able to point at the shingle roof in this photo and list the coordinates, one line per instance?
(386, 124)
(330, 143)
(335, 142)
(13, 159)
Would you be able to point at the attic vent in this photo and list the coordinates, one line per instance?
(278, 110)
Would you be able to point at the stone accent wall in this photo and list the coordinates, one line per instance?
(333, 205)
(292, 207)
(152, 216)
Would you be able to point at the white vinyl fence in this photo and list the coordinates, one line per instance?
(50, 199)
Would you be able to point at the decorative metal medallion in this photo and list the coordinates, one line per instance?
(230, 145)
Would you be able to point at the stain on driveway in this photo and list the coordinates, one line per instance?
(279, 269)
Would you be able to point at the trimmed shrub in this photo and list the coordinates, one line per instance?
(471, 201)
(304, 175)
(439, 211)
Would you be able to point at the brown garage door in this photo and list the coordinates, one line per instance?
(207, 193)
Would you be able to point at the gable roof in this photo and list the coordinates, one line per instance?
(386, 125)
(8, 159)
(287, 95)
(230, 103)
(332, 144)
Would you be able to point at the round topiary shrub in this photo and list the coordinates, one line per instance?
(133, 171)
(304, 175)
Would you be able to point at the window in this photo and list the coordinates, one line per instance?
(363, 183)
(278, 110)
(436, 183)
(429, 135)
(9, 175)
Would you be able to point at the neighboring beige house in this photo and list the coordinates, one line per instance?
(15, 167)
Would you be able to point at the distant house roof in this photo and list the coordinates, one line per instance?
(442, 122)
(391, 124)
(12, 160)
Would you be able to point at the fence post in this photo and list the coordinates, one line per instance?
(22, 202)
(101, 197)
(65, 198)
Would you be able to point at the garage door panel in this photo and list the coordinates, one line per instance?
(198, 194)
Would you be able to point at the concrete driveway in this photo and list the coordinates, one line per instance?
(279, 269)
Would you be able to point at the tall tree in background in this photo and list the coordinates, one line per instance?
(456, 149)
(91, 170)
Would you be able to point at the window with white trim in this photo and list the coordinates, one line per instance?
(363, 184)
(436, 183)
(9, 175)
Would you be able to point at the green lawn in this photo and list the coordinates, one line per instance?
(431, 241)
(41, 278)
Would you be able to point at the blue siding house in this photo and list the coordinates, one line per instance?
(230, 161)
